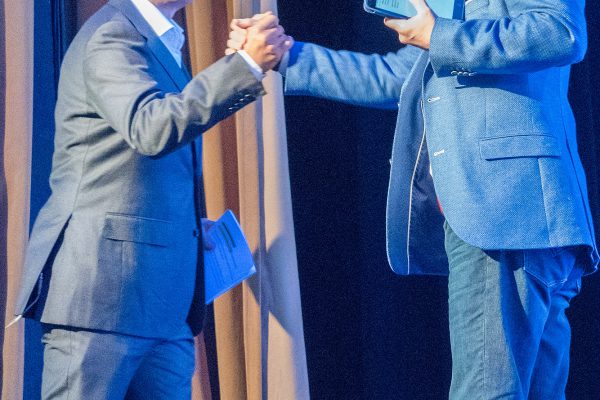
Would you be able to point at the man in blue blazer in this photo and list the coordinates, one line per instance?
(485, 177)
(114, 263)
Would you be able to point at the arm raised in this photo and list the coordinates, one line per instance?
(122, 88)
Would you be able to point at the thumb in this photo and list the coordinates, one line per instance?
(394, 23)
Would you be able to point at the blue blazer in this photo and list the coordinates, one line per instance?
(484, 124)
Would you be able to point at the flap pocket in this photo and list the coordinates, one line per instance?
(519, 146)
(128, 228)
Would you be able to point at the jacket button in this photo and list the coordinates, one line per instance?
(196, 233)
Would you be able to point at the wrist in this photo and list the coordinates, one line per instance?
(255, 68)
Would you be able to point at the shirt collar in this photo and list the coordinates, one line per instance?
(169, 32)
(157, 20)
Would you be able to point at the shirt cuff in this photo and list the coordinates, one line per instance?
(254, 67)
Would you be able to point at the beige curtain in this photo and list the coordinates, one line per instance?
(260, 340)
(16, 110)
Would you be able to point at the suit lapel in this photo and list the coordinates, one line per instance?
(161, 53)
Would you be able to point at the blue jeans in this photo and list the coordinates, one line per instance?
(509, 334)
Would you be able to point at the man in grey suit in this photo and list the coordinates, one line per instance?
(484, 125)
(114, 264)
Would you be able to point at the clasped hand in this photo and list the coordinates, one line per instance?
(261, 37)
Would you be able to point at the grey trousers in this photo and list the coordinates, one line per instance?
(96, 365)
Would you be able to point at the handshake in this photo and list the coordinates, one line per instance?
(261, 37)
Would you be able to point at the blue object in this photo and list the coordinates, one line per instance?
(404, 8)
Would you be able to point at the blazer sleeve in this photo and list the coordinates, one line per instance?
(369, 80)
(120, 76)
(538, 34)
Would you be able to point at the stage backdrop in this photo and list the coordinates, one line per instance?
(259, 335)
(16, 87)
(369, 334)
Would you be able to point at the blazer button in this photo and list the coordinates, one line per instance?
(196, 233)
(454, 73)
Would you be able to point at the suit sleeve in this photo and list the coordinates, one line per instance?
(369, 80)
(539, 34)
(120, 72)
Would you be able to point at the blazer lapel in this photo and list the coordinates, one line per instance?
(161, 53)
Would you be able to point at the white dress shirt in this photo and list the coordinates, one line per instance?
(173, 37)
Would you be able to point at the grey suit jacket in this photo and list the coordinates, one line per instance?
(486, 111)
(122, 218)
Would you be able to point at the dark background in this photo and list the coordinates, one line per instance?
(369, 333)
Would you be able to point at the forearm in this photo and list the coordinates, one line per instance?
(366, 80)
(129, 89)
(163, 123)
